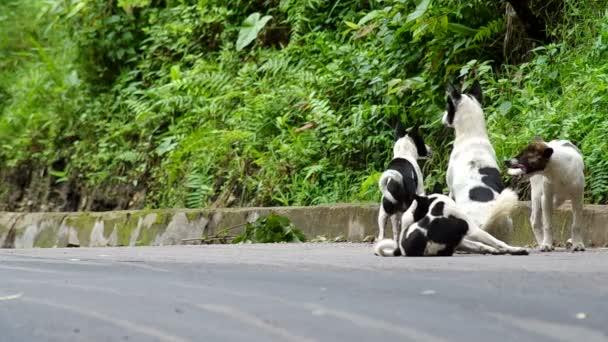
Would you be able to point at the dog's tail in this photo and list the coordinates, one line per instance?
(387, 247)
(503, 206)
(387, 176)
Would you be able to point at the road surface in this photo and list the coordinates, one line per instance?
(321, 292)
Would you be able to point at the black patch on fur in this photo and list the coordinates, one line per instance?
(424, 222)
(399, 130)
(481, 194)
(491, 178)
(415, 243)
(438, 209)
(422, 208)
(438, 188)
(450, 107)
(453, 93)
(452, 102)
(403, 193)
(389, 207)
(475, 91)
(419, 142)
(448, 231)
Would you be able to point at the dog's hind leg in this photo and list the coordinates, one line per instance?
(478, 235)
(577, 220)
(477, 247)
(395, 222)
(382, 217)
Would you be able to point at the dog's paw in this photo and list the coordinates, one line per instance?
(545, 247)
(494, 251)
(577, 246)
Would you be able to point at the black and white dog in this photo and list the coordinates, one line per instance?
(434, 226)
(473, 177)
(402, 179)
(556, 173)
(431, 225)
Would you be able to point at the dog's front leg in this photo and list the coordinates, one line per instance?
(470, 246)
(536, 218)
(547, 211)
(577, 220)
(382, 217)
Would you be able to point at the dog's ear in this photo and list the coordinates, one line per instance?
(399, 130)
(548, 152)
(421, 148)
(475, 91)
(413, 131)
(437, 188)
(453, 94)
(538, 139)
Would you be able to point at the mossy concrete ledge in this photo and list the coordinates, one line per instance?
(184, 226)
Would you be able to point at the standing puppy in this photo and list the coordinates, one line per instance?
(402, 178)
(473, 177)
(556, 171)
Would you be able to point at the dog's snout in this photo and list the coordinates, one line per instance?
(507, 162)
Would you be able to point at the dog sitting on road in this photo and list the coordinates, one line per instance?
(435, 226)
(556, 173)
(402, 178)
(473, 177)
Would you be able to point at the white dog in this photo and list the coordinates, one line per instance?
(556, 171)
(402, 178)
(473, 177)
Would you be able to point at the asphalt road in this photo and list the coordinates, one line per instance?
(305, 292)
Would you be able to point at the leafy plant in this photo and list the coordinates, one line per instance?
(250, 29)
(270, 229)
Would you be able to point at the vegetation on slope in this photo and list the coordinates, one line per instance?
(170, 103)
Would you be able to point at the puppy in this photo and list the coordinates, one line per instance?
(473, 177)
(402, 178)
(556, 173)
(435, 226)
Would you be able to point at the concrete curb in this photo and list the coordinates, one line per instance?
(171, 226)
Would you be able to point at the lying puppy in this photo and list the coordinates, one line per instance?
(556, 172)
(402, 178)
(473, 177)
(435, 226)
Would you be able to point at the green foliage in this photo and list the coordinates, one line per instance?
(251, 27)
(270, 229)
(139, 103)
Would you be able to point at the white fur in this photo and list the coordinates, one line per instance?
(515, 172)
(562, 179)
(503, 207)
(385, 247)
(472, 150)
(432, 248)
